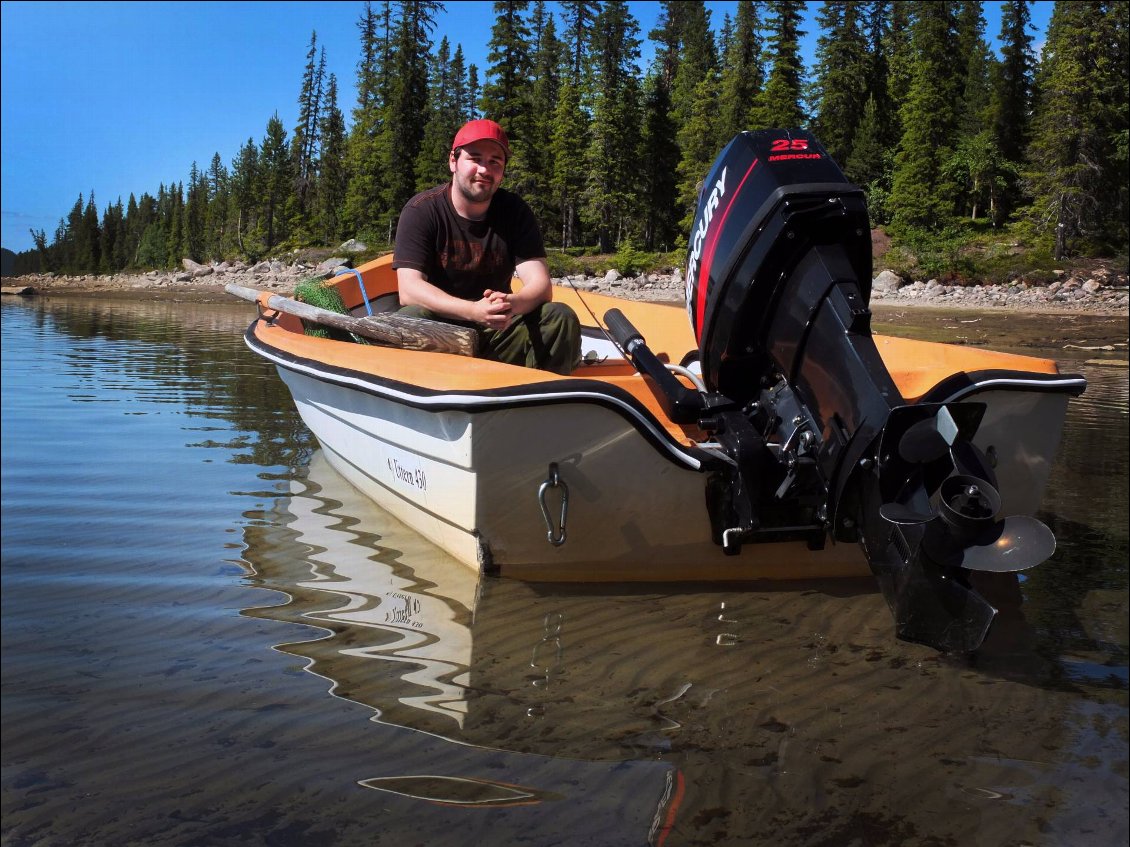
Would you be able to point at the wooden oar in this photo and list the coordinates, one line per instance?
(390, 329)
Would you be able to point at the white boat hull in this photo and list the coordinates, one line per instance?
(470, 480)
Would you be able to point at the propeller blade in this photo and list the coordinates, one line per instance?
(922, 443)
(1014, 544)
(1017, 543)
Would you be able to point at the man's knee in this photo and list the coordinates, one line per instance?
(556, 345)
(561, 317)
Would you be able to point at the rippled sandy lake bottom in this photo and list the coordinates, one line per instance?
(210, 639)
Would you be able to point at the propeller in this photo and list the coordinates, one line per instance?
(962, 529)
(970, 536)
(936, 494)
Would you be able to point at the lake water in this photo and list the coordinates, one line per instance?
(210, 639)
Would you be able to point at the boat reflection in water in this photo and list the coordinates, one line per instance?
(417, 618)
(716, 711)
(398, 615)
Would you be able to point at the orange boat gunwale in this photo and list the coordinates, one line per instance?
(922, 370)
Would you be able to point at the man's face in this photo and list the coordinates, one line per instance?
(478, 170)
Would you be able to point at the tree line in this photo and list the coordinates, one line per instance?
(908, 97)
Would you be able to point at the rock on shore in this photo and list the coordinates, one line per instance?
(1099, 291)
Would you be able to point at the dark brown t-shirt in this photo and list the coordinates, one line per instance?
(464, 257)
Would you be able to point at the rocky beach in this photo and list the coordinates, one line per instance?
(1100, 289)
(1085, 309)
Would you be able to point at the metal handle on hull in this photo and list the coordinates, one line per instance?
(554, 534)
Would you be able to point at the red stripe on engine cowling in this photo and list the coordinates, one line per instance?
(708, 253)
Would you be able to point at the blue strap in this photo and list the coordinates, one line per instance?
(361, 282)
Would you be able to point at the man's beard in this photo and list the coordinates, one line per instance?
(476, 192)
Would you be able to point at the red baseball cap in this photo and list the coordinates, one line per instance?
(482, 130)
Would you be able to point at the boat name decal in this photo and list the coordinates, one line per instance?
(409, 476)
(708, 210)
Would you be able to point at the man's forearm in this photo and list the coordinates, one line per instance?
(417, 291)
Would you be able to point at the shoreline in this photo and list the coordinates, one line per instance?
(1100, 293)
(1077, 315)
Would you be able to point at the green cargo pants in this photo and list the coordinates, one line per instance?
(549, 337)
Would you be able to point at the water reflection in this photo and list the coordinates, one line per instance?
(357, 584)
(397, 619)
(146, 451)
(778, 711)
(180, 354)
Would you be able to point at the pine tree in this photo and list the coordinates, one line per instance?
(697, 60)
(1012, 92)
(88, 246)
(506, 94)
(1077, 160)
(840, 90)
(612, 153)
(779, 104)
(570, 130)
(742, 73)
(871, 161)
(658, 210)
(977, 66)
(152, 251)
(460, 93)
(572, 120)
(548, 60)
(332, 177)
(245, 179)
(668, 36)
(195, 215)
(407, 104)
(898, 48)
(174, 226)
(694, 119)
(277, 177)
(111, 234)
(698, 151)
(658, 192)
(474, 91)
(878, 25)
(580, 18)
(364, 156)
(304, 143)
(920, 194)
(443, 121)
(219, 203)
(146, 227)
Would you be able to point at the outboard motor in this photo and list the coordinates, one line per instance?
(818, 441)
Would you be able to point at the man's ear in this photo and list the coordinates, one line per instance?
(452, 157)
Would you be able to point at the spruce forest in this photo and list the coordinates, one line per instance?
(949, 140)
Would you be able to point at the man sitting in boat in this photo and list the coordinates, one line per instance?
(458, 246)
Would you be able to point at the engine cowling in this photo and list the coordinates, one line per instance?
(770, 198)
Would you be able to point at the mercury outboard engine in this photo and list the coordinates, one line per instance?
(815, 436)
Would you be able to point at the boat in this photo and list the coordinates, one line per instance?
(759, 430)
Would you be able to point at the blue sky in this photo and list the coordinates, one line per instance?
(117, 98)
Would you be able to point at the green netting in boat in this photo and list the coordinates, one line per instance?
(315, 292)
